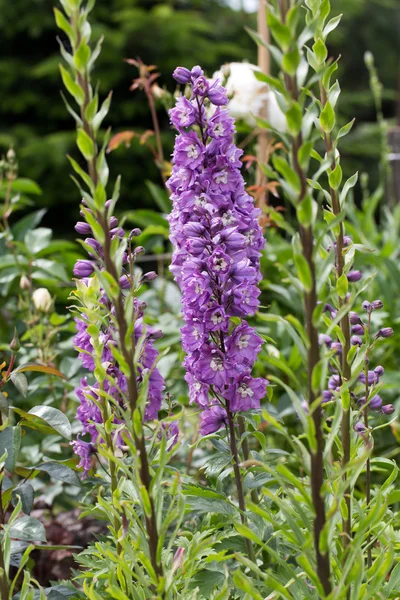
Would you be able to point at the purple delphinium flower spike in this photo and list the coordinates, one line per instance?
(88, 412)
(216, 260)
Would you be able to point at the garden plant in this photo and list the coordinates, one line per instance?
(209, 386)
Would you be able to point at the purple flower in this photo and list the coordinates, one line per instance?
(355, 319)
(217, 243)
(246, 393)
(375, 403)
(355, 340)
(325, 339)
(388, 409)
(213, 419)
(84, 450)
(379, 371)
(367, 306)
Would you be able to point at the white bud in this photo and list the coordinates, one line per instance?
(24, 283)
(42, 300)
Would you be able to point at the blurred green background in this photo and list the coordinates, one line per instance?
(165, 33)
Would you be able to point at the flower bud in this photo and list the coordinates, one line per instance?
(360, 428)
(355, 340)
(354, 276)
(182, 75)
(357, 329)
(385, 332)
(139, 250)
(24, 283)
(377, 304)
(83, 268)
(177, 561)
(354, 318)
(379, 371)
(15, 344)
(197, 71)
(367, 306)
(324, 339)
(150, 276)
(42, 300)
(337, 346)
(375, 403)
(135, 232)
(83, 228)
(388, 409)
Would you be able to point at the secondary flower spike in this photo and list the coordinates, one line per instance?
(216, 260)
(88, 412)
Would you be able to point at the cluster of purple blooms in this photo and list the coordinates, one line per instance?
(89, 413)
(217, 244)
(358, 328)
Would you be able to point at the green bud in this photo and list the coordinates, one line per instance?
(15, 344)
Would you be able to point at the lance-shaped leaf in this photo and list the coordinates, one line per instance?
(39, 369)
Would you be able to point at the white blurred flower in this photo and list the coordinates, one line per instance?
(42, 300)
(248, 96)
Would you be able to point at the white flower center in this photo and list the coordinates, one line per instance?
(243, 341)
(199, 289)
(196, 333)
(217, 318)
(216, 364)
(228, 218)
(197, 386)
(249, 237)
(200, 201)
(220, 264)
(184, 116)
(219, 130)
(192, 151)
(245, 391)
(221, 177)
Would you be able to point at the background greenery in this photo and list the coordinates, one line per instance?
(165, 33)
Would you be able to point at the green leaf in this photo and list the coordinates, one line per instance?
(28, 529)
(63, 24)
(345, 129)
(327, 118)
(60, 472)
(335, 177)
(273, 82)
(159, 196)
(54, 418)
(350, 183)
(85, 144)
(303, 271)
(82, 56)
(304, 211)
(4, 408)
(280, 31)
(294, 119)
(320, 51)
(342, 286)
(330, 26)
(20, 382)
(206, 581)
(10, 441)
(291, 61)
(71, 86)
(210, 505)
(26, 494)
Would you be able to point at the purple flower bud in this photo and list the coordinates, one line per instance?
(334, 382)
(142, 306)
(347, 241)
(327, 396)
(113, 222)
(355, 340)
(377, 304)
(367, 306)
(379, 371)
(375, 403)
(357, 329)
(329, 308)
(337, 346)
(83, 228)
(385, 332)
(217, 94)
(139, 250)
(156, 334)
(354, 318)
(388, 409)
(124, 282)
(200, 86)
(196, 72)
(324, 339)
(360, 428)
(305, 407)
(182, 75)
(83, 268)
(372, 377)
(135, 232)
(354, 276)
(150, 276)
